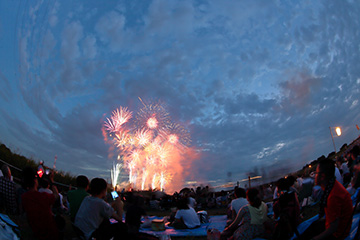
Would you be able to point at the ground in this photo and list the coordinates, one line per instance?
(70, 234)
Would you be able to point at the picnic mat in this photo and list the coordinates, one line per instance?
(215, 222)
(219, 222)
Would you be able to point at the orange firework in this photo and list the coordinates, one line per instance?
(151, 146)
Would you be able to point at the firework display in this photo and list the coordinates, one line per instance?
(149, 145)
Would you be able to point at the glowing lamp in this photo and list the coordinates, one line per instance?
(338, 131)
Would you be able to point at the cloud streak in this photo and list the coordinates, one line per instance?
(256, 82)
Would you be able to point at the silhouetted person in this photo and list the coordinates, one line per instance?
(8, 191)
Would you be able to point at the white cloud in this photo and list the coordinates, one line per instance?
(268, 151)
(71, 35)
(354, 104)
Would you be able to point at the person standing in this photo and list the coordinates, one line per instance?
(8, 191)
(37, 207)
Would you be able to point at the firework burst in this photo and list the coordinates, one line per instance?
(151, 148)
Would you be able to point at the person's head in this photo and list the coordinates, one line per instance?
(253, 197)
(355, 151)
(6, 171)
(29, 178)
(82, 182)
(291, 180)
(44, 183)
(282, 184)
(240, 193)
(324, 172)
(98, 187)
(182, 203)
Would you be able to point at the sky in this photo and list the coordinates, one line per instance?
(257, 83)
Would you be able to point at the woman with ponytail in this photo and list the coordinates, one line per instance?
(249, 222)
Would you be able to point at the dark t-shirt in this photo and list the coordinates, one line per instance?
(75, 198)
(133, 215)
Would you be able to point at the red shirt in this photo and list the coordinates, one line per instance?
(40, 217)
(339, 205)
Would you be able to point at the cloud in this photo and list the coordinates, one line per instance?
(298, 90)
(89, 47)
(53, 18)
(163, 16)
(5, 91)
(71, 35)
(110, 28)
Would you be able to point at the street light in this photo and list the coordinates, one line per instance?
(338, 133)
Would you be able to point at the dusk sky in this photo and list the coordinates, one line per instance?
(257, 83)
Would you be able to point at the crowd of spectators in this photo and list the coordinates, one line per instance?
(93, 212)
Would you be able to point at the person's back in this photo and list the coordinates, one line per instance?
(185, 217)
(287, 203)
(8, 191)
(94, 213)
(134, 213)
(189, 217)
(38, 211)
(286, 211)
(75, 197)
(239, 202)
(37, 207)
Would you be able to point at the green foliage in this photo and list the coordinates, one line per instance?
(21, 162)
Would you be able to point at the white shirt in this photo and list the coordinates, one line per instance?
(338, 175)
(189, 216)
(344, 168)
(238, 203)
(46, 190)
(91, 214)
(192, 202)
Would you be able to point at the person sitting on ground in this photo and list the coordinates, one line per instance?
(134, 212)
(191, 200)
(249, 223)
(345, 172)
(286, 210)
(93, 216)
(154, 203)
(75, 197)
(37, 207)
(185, 217)
(8, 191)
(336, 208)
(238, 202)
